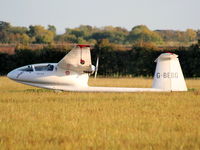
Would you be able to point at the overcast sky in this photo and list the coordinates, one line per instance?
(156, 14)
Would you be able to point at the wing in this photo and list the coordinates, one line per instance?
(105, 89)
(78, 59)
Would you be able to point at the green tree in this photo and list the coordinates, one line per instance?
(66, 38)
(18, 35)
(113, 34)
(191, 35)
(18, 30)
(52, 28)
(40, 35)
(198, 34)
(141, 34)
(4, 28)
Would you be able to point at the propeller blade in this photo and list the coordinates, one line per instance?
(96, 68)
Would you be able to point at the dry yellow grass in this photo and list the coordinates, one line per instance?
(37, 119)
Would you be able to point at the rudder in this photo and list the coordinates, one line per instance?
(168, 75)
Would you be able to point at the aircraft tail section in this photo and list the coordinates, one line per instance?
(78, 60)
(168, 75)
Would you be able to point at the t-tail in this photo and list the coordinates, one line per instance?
(168, 75)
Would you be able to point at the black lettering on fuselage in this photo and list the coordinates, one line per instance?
(158, 75)
(167, 75)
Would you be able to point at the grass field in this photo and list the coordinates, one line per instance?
(39, 119)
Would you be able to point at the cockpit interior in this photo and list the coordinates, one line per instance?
(41, 67)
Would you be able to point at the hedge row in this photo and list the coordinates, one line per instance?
(136, 62)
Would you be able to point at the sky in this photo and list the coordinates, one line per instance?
(156, 14)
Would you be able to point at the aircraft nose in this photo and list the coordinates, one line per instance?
(10, 75)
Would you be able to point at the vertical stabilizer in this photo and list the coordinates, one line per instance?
(168, 75)
(76, 66)
(78, 57)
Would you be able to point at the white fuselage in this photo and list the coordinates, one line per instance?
(48, 75)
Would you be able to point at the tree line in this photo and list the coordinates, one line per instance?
(138, 61)
(86, 34)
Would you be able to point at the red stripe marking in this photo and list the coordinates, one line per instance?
(170, 53)
(83, 45)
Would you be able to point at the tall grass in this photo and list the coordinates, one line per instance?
(39, 119)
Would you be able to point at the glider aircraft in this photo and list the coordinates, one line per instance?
(72, 73)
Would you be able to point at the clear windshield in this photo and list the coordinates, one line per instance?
(48, 67)
(28, 68)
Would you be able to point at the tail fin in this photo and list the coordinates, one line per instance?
(168, 75)
(78, 60)
(78, 56)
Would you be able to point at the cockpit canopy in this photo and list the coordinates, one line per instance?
(48, 67)
(38, 67)
(27, 68)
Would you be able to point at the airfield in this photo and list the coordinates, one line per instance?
(34, 119)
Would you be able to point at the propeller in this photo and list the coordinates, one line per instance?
(96, 67)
